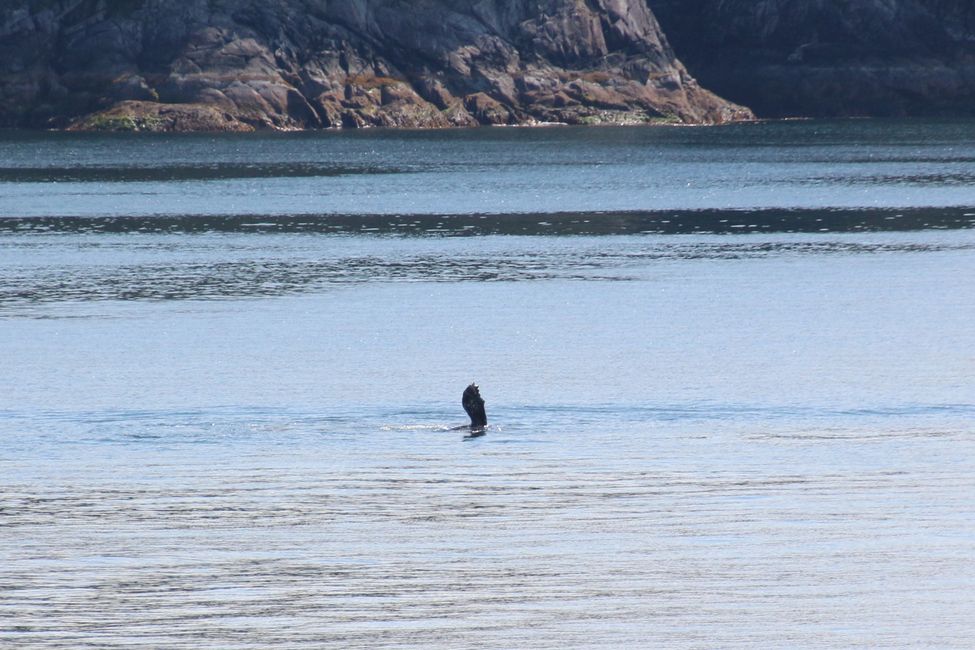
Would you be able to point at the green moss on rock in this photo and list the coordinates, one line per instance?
(120, 123)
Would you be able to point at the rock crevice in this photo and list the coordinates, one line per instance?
(246, 64)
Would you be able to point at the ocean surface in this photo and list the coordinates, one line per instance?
(729, 373)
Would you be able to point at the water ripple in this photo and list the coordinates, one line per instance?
(676, 221)
(206, 273)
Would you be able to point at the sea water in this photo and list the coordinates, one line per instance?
(729, 373)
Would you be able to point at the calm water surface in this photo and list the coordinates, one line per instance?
(729, 375)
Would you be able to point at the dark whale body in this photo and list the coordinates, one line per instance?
(474, 405)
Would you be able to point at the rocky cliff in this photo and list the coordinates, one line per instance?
(289, 64)
(829, 57)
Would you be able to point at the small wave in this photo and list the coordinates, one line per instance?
(416, 427)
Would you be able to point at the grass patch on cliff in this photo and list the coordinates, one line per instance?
(370, 81)
(624, 118)
(592, 76)
(122, 123)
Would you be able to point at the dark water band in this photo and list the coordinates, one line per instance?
(766, 220)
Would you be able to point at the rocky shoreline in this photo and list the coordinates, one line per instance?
(241, 65)
(244, 65)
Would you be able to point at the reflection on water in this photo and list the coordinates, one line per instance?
(920, 179)
(532, 537)
(132, 173)
(673, 222)
(887, 165)
(233, 369)
(199, 268)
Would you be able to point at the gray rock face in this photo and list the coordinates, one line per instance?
(830, 57)
(287, 64)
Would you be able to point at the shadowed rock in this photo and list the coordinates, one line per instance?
(474, 405)
(829, 57)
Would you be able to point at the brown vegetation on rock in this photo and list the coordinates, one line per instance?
(295, 64)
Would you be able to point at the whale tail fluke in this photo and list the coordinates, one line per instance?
(474, 405)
